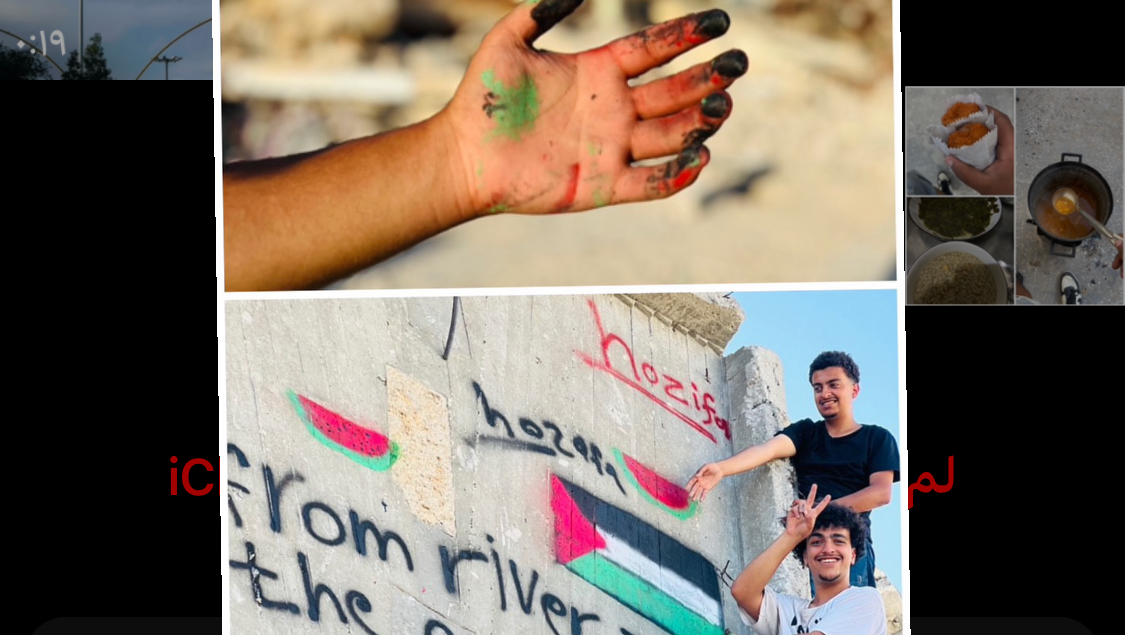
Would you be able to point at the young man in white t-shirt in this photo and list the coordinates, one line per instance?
(827, 539)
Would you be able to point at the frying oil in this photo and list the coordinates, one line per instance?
(1071, 226)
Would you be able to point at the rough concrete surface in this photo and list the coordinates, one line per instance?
(924, 108)
(758, 403)
(892, 602)
(419, 420)
(716, 320)
(1085, 121)
(537, 407)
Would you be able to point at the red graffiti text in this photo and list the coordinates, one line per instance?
(648, 379)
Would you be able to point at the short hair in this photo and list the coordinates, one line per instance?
(837, 516)
(828, 359)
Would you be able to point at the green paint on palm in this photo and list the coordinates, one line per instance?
(600, 199)
(513, 109)
(496, 209)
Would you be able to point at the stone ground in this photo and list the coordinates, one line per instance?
(812, 133)
(1085, 121)
(924, 108)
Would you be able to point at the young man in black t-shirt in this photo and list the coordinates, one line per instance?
(856, 464)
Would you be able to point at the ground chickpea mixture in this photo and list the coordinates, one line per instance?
(955, 278)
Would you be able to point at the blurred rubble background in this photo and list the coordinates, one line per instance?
(800, 186)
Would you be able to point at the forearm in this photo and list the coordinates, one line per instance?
(749, 588)
(300, 222)
(746, 460)
(867, 498)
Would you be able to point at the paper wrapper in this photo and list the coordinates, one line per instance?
(981, 154)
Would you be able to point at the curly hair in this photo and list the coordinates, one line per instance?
(828, 359)
(838, 517)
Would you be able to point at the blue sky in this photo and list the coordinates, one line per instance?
(133, 31)
(798, 326)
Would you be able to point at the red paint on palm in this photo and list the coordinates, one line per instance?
(571, 190)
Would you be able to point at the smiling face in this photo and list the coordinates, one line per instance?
(829, 554)
(834, 393)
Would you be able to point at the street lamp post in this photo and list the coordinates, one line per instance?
(81, 42)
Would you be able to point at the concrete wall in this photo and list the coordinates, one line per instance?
(500, 490)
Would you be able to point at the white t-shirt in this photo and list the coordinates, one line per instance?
(856, 611)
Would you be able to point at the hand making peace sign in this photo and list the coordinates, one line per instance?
(802, 515)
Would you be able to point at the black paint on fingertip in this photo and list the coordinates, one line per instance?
(716, 105)
(690, 155)
(712, 23)
(548, 13)
(696, 137)
(731, 64)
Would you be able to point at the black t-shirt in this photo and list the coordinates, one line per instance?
(841, 466)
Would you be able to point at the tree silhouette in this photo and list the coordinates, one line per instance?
(94, 61)
(22, 65)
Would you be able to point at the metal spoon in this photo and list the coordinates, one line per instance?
(1105, 232)
(1069, 201)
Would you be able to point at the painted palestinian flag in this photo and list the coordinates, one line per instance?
(635, 563)
(362, 445)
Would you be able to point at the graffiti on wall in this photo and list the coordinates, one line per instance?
(655, 488)
(639, 566)
(298, 577)
(669, 394)
(362, 445)
(517, 587)
(544, 437)
(635, 563)
(315, 516)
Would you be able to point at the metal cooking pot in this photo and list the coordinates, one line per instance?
(1081, 178)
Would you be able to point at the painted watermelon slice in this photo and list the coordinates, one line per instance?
(655, 488)
(366, 447)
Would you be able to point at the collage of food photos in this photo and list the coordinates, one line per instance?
(1012, 195)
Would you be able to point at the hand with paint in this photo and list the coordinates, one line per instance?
(540, 132)
(527, 131)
